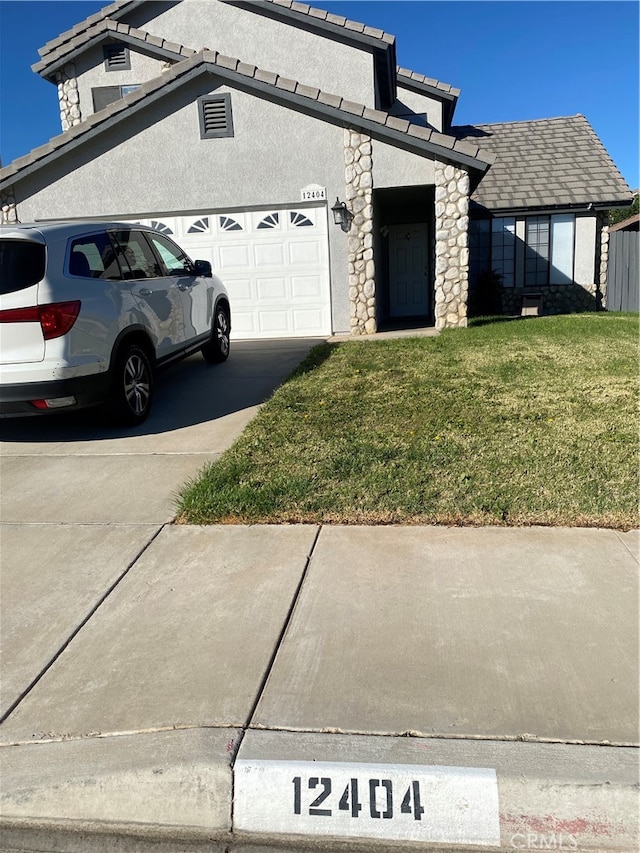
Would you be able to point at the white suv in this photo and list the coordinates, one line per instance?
(89, 310)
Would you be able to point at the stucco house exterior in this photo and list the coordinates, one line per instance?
(238, 125)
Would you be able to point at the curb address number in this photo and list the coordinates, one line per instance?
(378, 799)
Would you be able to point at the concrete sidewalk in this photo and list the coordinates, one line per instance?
(305, 688)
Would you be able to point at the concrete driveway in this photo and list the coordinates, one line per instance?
(80, 501)
(73, 469)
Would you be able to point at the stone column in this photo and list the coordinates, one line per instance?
(8, 207)
(602, 224)
(68, 96)
(359, 191)
(452, 245)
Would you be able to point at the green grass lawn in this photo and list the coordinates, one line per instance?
(521, 422)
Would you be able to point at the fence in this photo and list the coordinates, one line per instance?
(623, 278)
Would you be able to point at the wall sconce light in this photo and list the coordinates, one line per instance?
(342, 216)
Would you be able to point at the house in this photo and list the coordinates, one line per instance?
(242, 127)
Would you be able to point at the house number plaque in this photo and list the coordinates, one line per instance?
(314, 192)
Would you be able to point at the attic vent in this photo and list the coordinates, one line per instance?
(116, 57)
(215, 116)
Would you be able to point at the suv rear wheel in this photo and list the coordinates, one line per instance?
(131, 393)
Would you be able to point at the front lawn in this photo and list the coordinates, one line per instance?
(522, 422)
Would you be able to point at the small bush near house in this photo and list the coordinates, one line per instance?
(532, 421)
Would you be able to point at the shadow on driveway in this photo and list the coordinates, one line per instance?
(189, 393)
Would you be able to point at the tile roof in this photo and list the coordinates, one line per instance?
(545, 163)
(329, 106)
(75, 37)
(338, 20)
(108, 28)
(413, 76)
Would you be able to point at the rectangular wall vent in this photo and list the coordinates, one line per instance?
(116, 57)
(215, 116)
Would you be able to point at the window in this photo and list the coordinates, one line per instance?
(21, 264)
(94, 257)
(173, 258)
(116, 57)
(503, 249)
(215, 116)
(549, 249)
(105, 95)
(135, 255)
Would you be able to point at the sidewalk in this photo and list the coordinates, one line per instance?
(305, 688)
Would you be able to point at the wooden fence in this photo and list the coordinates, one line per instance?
(623, 277)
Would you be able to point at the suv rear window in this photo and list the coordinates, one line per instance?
(94, 257)
(21, 264)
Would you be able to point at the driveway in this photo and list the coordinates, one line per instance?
(81, 501)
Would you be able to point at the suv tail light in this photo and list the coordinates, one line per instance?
(55, 319)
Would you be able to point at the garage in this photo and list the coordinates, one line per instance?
(274, 263)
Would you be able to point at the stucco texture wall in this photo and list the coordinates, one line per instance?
(393, 167)
(155, 163)
(417, 103)
(270, 44)
(90, 72)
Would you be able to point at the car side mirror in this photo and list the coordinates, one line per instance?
(203, 268)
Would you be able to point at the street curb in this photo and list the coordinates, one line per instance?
(170, 791)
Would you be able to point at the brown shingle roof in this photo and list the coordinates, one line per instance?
(414, 77)
(544, 163)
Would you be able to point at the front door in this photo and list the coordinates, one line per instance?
(409, 270)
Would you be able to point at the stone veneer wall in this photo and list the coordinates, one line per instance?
(452, 245)
(603, 231)
(556, 298)
(68, 96)
(8, 207)
(359, 191)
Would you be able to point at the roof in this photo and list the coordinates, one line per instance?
(71, 41)
(630, 224)
(395, 131)
(556, 162)
(382, 45)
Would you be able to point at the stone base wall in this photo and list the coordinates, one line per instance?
(452, 246)
(556, 299)
(361, 265)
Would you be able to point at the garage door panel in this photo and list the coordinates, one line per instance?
(234, 256)
(240, 291)
(305, 321)
(306, 287)
(271, 289)
(269, 255)
(274, 322)
(305, 252)
(244, 323)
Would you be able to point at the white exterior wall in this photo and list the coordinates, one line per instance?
(267, 43)
(156, 164)
(420, 104)
(393, 167)
(91, 73)
(585, 256)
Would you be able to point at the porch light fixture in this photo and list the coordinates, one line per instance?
(342, 216)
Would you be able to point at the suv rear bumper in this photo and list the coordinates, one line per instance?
(88, 391)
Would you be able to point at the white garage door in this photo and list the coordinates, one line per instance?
(274, 263)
